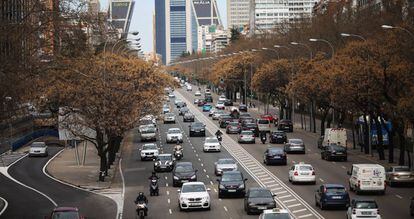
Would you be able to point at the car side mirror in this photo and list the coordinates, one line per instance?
(208, 189)
(273, 194)
(178, 190)
(215, 163)
(348, 172)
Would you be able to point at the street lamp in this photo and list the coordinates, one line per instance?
(353, 35)
(384, 26)
(304, 45)
(267, 49)
(325, 41)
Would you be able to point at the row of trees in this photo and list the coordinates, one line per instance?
(370, 75)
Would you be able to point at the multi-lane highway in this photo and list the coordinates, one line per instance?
(298, 199)
(41, 194)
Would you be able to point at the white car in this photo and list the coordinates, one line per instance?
(197, 93)
(169, 117)
(38, 149)
(222, 98)
(363, 208)
(171, 95)
(224, 164)
(217, 114)
(211, 144)
(212, 111)
(302, 173)
(194, 195)
(275, 214)
(149, 151)
(220, 105)
(189, 88)
(177, 101)
(174, 135)
(165, 109)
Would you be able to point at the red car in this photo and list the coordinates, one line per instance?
(201, 102)
(271, 118)
(65, 212)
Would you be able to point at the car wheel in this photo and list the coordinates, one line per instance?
(322, 157)
(264, 161)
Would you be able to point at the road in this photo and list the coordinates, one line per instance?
(26, 203)
(299, 199)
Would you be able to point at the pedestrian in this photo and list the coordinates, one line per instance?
(250, 104)
(254, 105)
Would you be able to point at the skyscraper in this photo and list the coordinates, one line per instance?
(177, 23)
(238, 13)
(120, 13)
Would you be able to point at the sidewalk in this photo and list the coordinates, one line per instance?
(65, 167)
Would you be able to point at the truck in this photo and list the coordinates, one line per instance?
(334, 136)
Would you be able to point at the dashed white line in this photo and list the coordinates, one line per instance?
(166, 177)
(211, 182)
(321, 180)
(306, 215)
(294, 205)
(168, 192)
(285, 196)
(199, 159)
(215, 190)
(343, 167)
(169, 201)
(202, 164)
(225, 208)
(205, 170)
(290, 200)
(399, 196)
(208, 176)
(281, 192)
(166, 184)
(170, 211)
(300, 210)
(196, 155)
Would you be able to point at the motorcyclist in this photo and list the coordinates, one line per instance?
(263, 136)
(178, 146)
(153, 176)
(141, 198)
(218, 133)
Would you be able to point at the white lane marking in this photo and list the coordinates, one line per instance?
(225, 208)
(285, 196)
(294, 205)
(205, 170)
(277, 188)
(199, 159)
(195, 151)
(268, 181)
(165, 177)
(220, 199)
(399, 196)
(166, 184)
(168, 192)
(215, 190)
(5, 206)
(208, 176)
(290, 200)
(321, 180)
(170, 211)
(196, 155)
(4, 171)
(343, 167)
(309, 149)
(202, 164)
(306, 215)
(168, 201)
(211, 182)
(333, 162)
(281, 192)
(300, 210)
(265, 178)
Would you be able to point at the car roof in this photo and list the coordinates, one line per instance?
(62, 209)
(173, 129)
(194, 183)
(234, 172)
(295, 139)
(258, 189)
(147, 144)
(165, 155)
(302, 164)
(278, 132)
(333, 185)
(275, 210)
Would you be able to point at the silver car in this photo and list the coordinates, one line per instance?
(246, 137)
(295, 145)
(148, 134)
(188, 117)
(169, 118)
(399, 174)
(224, 164)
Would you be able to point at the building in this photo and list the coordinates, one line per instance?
(238, 13)
(177, 22)
(120, 13)
(212, 38)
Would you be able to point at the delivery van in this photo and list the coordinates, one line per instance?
(335, 136)
(367, 178)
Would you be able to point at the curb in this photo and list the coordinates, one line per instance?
(4, 205)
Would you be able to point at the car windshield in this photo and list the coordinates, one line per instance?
(286, 122)
(65, 215)
(193, 188)
(278, 133)
(149, 130)
(188, 114)
(164, 157)
(38, 145)
(277, 216)
(169, 114)
(305, 168)
(263, 121)
(337, 148)
(233, 123)
(335, 190)
(197, 124)
(366, 205)
(275, 151)
(220, 103)
(149, 147)
(226, 161)
(184, 109)
(260, 193)
(184, 168)
(212, 140)
(246, 133)
(401, 169)
(229, 177)
(207, 105)
(295, 141)
(174, 131)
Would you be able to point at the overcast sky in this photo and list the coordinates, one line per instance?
(142, 19)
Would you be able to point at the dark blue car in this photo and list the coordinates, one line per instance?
(275, 155)
(332, 195)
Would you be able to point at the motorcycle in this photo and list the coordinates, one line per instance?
(219, 138)
(178, 154)
(154, 190)
(141, 209)
(263, 139)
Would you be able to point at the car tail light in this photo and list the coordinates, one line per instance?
(296, 173)
(313, 173)
(241, 136)
(378, 211)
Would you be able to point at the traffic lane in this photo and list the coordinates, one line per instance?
(205, 161)
(29, 172)
(23, 202)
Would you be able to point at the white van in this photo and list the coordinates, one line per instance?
(263, 125)
(189, 88)
(335, 136)
(367, 177)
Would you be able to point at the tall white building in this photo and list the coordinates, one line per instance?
(238, 13)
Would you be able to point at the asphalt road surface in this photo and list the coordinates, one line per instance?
(26, 203)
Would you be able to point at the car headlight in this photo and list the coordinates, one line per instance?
(193, 177)
(142, 154)
(156, 164)
(168, 162)
(241, 186)
(176, 178)
(192, 130)
(206, 198)
(202, 130)
(182, 199)
(251, 204)
(219, 170)
(222, 187)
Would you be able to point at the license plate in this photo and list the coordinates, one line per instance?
(366, 212)
(232, 190)
(339, 153)
(184, 180)
(261, 208)
(279, 137)
(336, 197)
(304, 174)
(403, 176)
(276, 156)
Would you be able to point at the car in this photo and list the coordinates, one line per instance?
(224, 120)
(143, 127)
(207, 92)
(400, 175)
(65, 212)
(275, 213)
(231, 183)
(149, 151)
(212, 111)
(197, 93)
(183, 172)
(171, 95)
(38, 148)
(331, 195)
(278, 137)
(258, 199)
(302, 173)
(169, 118)
(148, 133)
(233, 128)
(263, 125)
(274, 155)
(363, 208)
(208, 98)
(222, 98)
(183, 110)
(250, 126)
(197, 128)
(223, 165)
(188, 117)
(243, 120)
(367, 178)
(180, 104)
(174, 135)
(272, 118)
(201, 102)
(295, 145)
(412, 206)
(228, 102)
(243, 108)
(218, 113)
(211, 144)
(334, 152)
(285, 125)
(164, 162)
(165, 109)
(189, 88)
(193, 195)
(246, 137)
(206, 107)
(196, 101)
(220, 105)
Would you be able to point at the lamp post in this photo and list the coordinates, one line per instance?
(399, 28)
(353, 35)
(304, 45)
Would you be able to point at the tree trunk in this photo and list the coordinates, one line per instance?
(391, 134)
(329, 120)
(366, 135)
(313, 116)
(323, 119)
(401, 160)
(380, 140)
